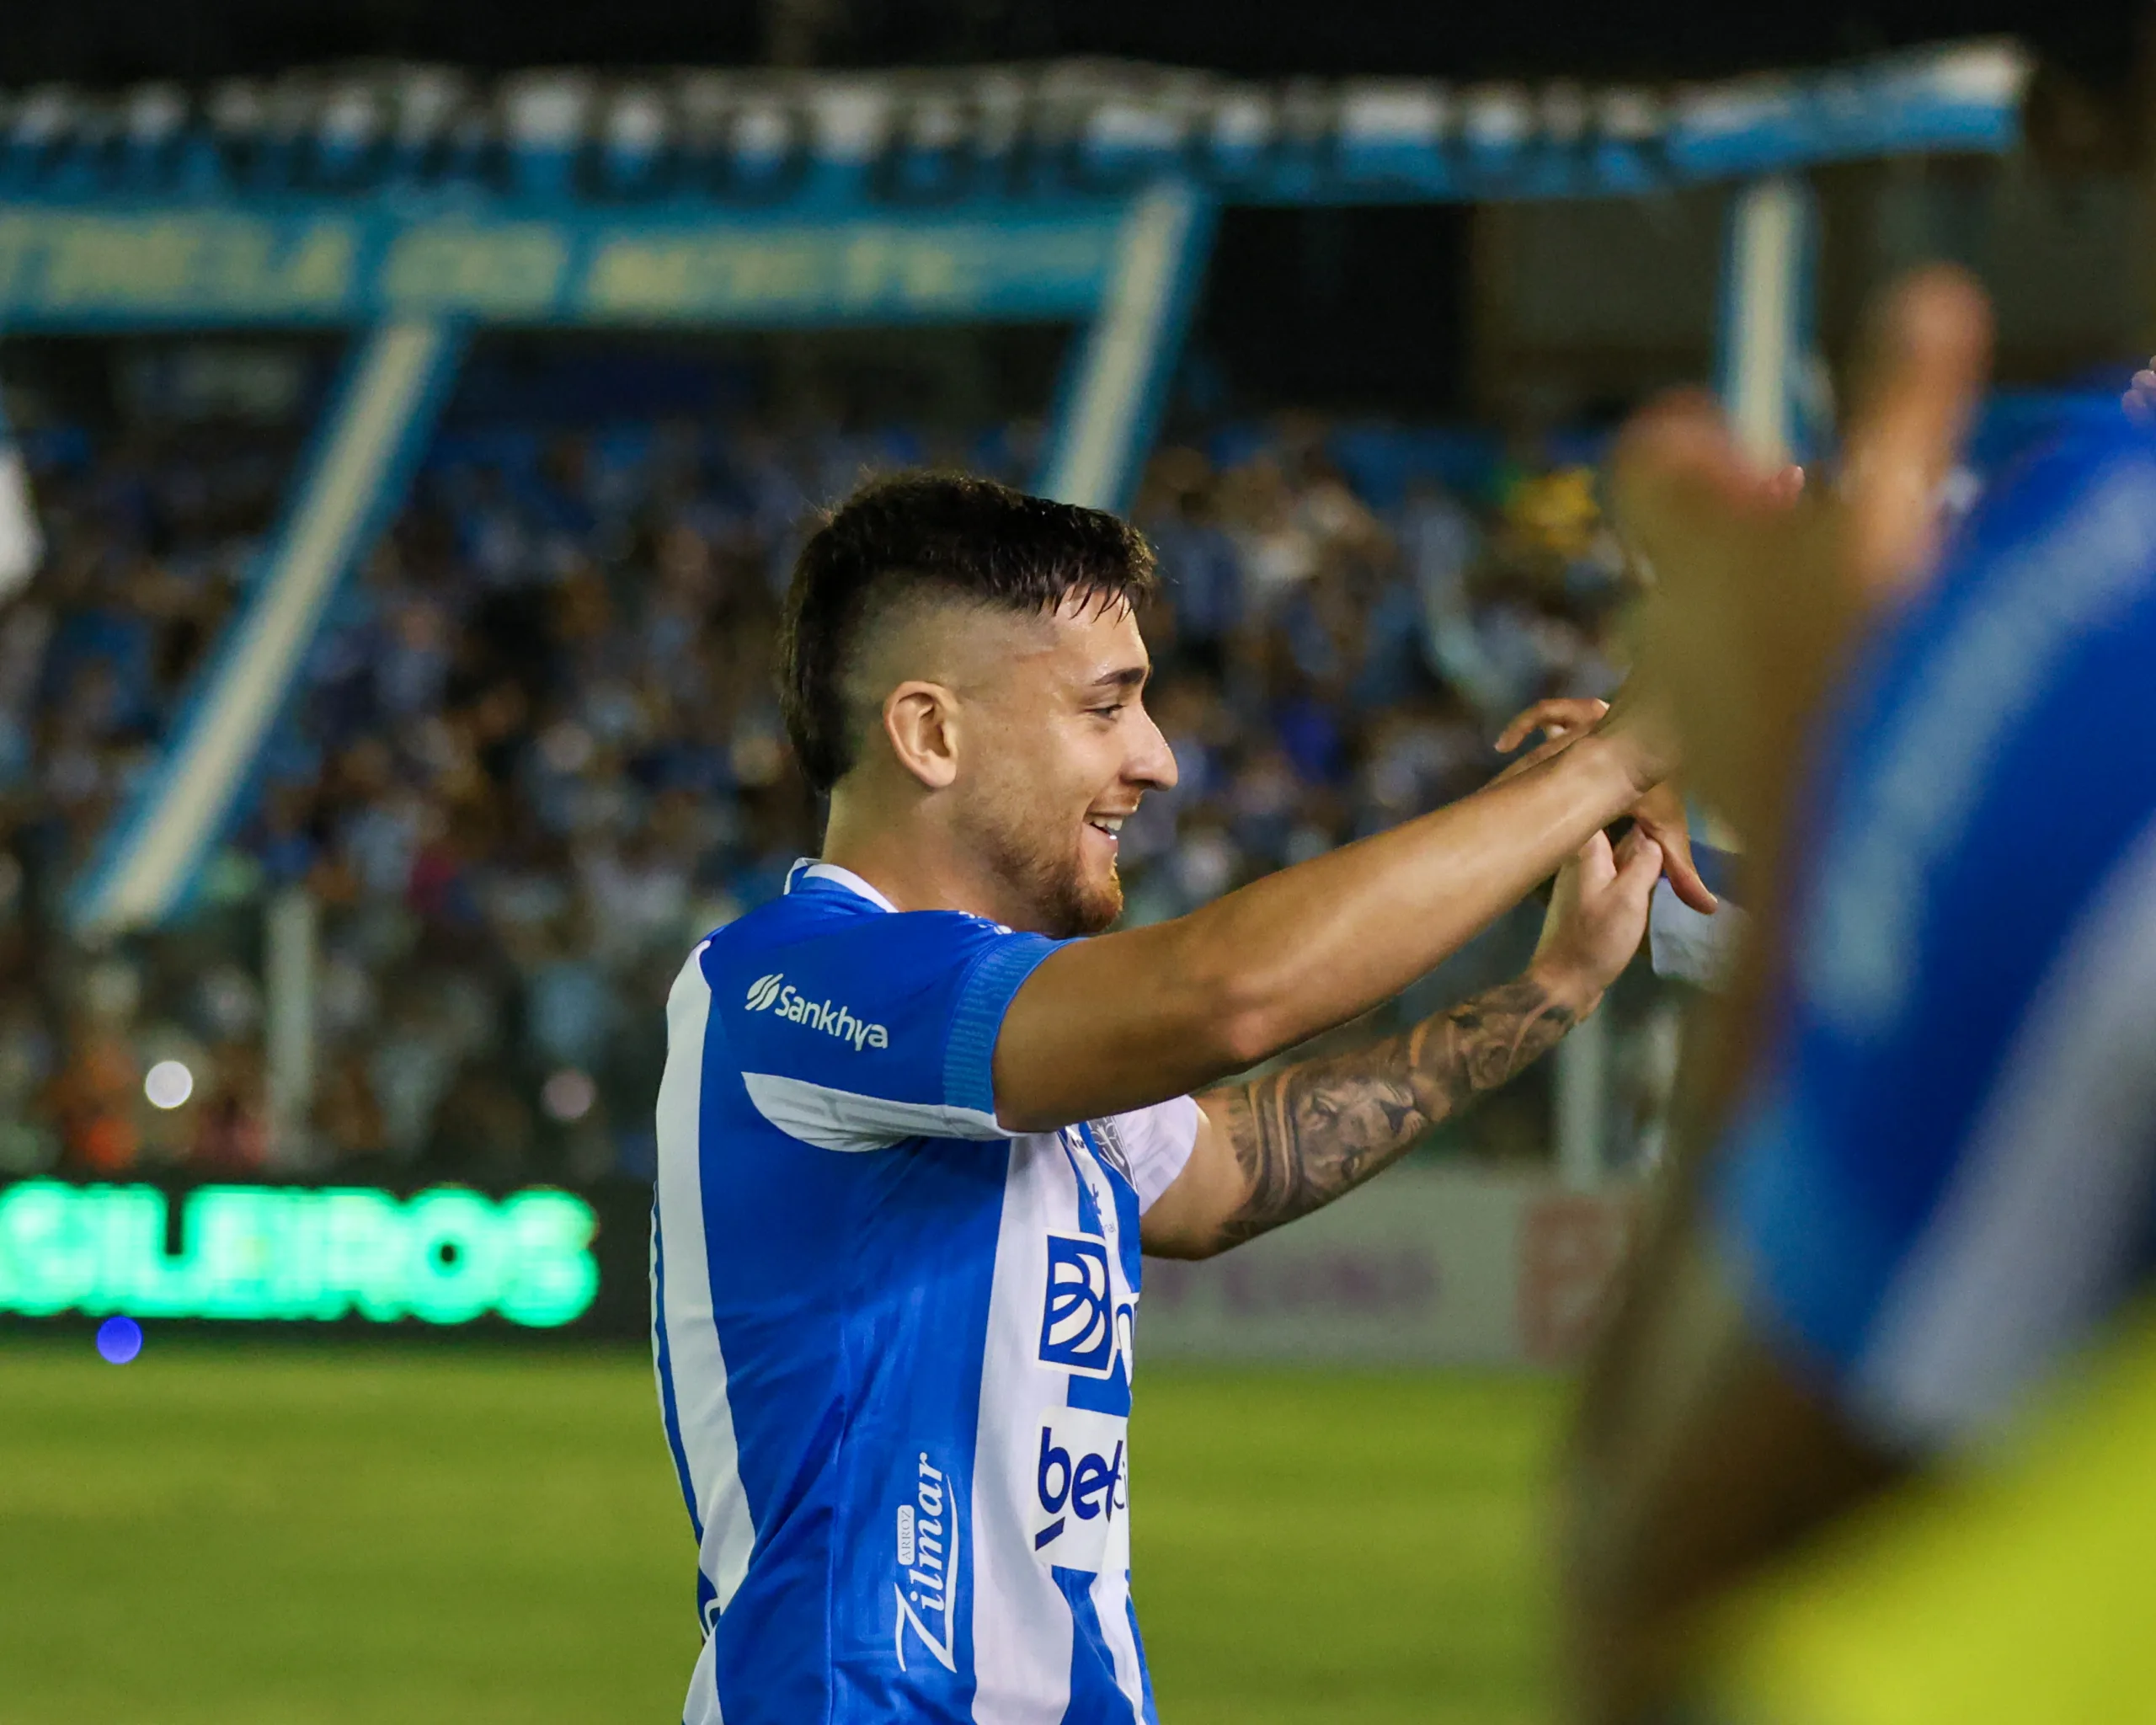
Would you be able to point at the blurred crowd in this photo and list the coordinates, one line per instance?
(536, 753)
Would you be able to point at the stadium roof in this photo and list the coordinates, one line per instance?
(108, 43)
(925, 138)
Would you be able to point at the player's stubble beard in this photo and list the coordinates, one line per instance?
(1050, 880)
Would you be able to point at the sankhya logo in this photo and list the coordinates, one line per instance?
(775, 993)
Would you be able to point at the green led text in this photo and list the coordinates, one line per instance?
(446, 1256)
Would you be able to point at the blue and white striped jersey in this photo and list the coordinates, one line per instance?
(1944, 1179)
(894, 1341)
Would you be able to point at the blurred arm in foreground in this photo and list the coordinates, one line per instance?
(1705, 1444)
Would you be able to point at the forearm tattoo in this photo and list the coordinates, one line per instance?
(1308, 1134)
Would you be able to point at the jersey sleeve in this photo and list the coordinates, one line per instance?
(1155, 1143)
(1942, 1179)
(879, 1029)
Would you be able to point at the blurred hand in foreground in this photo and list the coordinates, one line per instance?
(1699, 1452)
(2139, 400)
(1759, 587)
(1660, 812)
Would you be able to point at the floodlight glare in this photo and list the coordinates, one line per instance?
(168, 1084)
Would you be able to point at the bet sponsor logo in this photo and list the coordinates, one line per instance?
(775, 994)
(1081, 1485)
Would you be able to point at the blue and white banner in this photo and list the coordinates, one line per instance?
(1111, 403)
(78, 268)
(148, 860)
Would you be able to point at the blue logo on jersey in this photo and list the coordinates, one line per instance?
(1081, 1481)
(1088, 1485)
(1078, 1322)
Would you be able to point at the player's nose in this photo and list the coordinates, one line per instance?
(1152, 762)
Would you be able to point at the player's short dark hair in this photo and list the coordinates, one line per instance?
(939, 535)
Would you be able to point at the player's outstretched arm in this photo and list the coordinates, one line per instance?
(1133, 1019)
(1291, 1141)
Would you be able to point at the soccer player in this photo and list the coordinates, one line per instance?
(916, 1129)
(1933, 1175)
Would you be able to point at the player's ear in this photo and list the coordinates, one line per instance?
(920, 720)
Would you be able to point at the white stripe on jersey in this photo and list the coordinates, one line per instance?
(1022, 1626)
(831, 1118)
(1022, 1622)
(2034, 1235)
(703, 1413)
(1110, 1587)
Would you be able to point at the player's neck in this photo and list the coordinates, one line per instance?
(913, 860)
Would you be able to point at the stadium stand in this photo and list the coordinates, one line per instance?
(536, 753)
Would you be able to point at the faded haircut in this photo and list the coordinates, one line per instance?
(935, 536)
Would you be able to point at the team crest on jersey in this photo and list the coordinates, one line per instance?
(928, 1565)
(1109, 1143)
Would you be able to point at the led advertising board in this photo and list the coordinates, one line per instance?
(444, 1256)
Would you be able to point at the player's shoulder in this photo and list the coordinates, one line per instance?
(835, 935)
(789, 919)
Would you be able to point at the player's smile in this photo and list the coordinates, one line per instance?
(1109, 827)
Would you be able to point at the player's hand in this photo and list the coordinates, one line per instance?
(1660, 813)
(1758, 592)
(1598, 916)
(1557, 718)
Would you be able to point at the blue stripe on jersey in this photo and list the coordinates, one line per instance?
(1096, 1699)
(1152, 1715)
(915, 1338)
(1107, 1395)
(661, 1360)
(1128, 1217)
(1111, 1394)
(1089, 1212)
(1992, 764)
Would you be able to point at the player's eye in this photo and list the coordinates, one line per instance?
(1114, 710)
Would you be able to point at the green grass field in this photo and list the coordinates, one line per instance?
(222, 1535)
